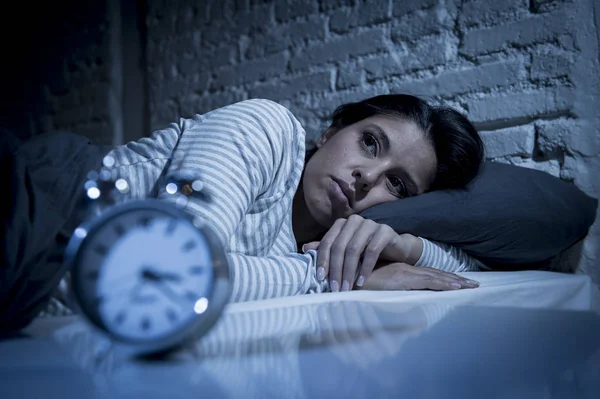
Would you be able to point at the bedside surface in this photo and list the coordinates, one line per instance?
(346, 349)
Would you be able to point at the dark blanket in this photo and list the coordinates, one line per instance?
(43, 184)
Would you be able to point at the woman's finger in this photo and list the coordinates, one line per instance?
(425, 282)
(337, 253)
(364, 232)
(371, 255)
(310, 245)
(324, 251)
(440, 274)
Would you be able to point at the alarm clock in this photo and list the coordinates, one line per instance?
(145, 272)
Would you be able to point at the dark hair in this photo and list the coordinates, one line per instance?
(458, 147)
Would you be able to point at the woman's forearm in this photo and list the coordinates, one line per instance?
(263, 277)
(414, 249)
(406, 248)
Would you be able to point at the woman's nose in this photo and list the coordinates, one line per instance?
(365, 179)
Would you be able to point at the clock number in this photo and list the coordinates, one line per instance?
(188, 246)
(171, 227)
(120, 318)
(146, 323)
(144, 221)
(196, 270)
(101, 249)
(171, 315)
(119, 230)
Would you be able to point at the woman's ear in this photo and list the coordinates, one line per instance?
(326, 136)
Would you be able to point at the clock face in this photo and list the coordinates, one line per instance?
(145, 274)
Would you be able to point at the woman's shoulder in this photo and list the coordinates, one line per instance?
(260, 120)
(260, 102)
(257, 108)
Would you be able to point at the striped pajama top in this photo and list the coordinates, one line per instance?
(250, 156)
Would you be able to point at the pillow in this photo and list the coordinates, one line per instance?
(508, 216)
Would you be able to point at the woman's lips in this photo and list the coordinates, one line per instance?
(337, 194)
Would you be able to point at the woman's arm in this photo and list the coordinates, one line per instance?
(350, 249)
(261, 277)
(236, 151)
(445, 257)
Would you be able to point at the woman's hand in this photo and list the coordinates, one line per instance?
(350, 249)
(401, 276)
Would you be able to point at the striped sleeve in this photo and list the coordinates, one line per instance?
(446, 257)
(236, 151)
(142, 162)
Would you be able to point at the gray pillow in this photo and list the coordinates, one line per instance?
(508, 216)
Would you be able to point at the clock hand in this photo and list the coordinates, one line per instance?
(170, 293)
(153, 275)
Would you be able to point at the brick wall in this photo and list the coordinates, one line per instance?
(525, 71)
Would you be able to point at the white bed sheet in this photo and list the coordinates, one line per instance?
(521, 289)
(524, 289)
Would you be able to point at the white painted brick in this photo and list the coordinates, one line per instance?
(363, 43)
(287, 35)
(312, 28)
(324, 105)
(518, 106)
(540, 6)
(327, 5)
(211, 60)
(250, 71)
(195, 104)
(286, 10)
(538, 29)
(366, 13)
(427, 53)
(583, 171)
(227, 27)
(287, 88)
(575, 136)
(551, 167)
(570, 168)
(217, 33)
(473, 79)
(544, 66)
(343, 20)
(403, 7)
(513, 141)
(478, 12)
(415, 26)
(350, 76)
(258, 18)
(373, 12)
(267, 44)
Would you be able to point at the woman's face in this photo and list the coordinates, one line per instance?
(376, 160)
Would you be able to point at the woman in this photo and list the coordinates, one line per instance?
(266, 202)
(268, 198)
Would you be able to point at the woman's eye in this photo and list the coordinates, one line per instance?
(370, 143)
(398, 186)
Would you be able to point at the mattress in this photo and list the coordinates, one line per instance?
(532, 289)
(524, 289)
(527, 327)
